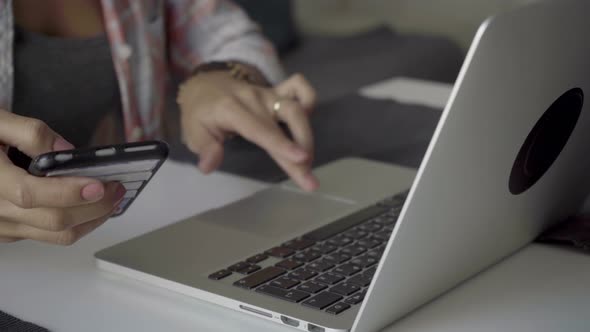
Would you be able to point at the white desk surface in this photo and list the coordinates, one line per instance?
(538, 289)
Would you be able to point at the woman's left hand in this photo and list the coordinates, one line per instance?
(214, 106)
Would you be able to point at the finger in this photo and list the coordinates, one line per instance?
(260, 130)
(299, 173)
(291, 113)
(65, 238)
(298, 87)
(200, 141)
(28, 191)
(298, 123)
(298, 170)
(31, 136)
(263, 101)
(58, 219)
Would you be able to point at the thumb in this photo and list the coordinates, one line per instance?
(31, 136)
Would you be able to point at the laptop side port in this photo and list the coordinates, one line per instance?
(313, 328)
(256, 311)
(289, 321)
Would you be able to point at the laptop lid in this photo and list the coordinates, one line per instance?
(509, 158)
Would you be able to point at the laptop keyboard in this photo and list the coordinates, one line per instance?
(327, 269)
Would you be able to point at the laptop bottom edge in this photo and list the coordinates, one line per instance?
(261, 313)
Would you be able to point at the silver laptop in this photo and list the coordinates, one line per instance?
(508, 159)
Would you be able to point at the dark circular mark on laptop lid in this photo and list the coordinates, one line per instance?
(546, 141)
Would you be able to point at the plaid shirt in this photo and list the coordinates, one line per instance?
(150, 39)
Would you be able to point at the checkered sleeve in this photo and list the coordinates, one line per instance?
(217, 30)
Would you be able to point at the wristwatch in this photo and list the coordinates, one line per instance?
(236, 69)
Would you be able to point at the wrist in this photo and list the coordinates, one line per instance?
(235, 69)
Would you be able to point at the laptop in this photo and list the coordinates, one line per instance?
(508, 159)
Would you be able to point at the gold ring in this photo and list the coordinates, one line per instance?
(276, 107)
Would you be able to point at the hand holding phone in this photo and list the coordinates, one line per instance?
(47, 209)
(131, 165)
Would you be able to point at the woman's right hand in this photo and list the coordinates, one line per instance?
(53, 210)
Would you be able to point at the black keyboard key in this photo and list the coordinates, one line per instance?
(303, 274)
(321, 265)
(353, 250)
(338, 257)
(260, 277)
(403, 195)
(389, 221)
(312, 287)
(375, 254)
(324, 248)
(238, 266)
(220, 275)
(257, 258)
(394, 201)
(347, 269)
(393, 213)
(397, 209)
(322, 300)
(343, 224)
(299, 244)
(289, 295)
(329, 278)
(345, 288)
(355, 299)
(364, 261)
(340, 241)
(369, 273)
(284, 282)
(289, 264)
(381, 239)
(389, 228)
(337, 308)
(280, 252)
(369, 243)
(360, 279)
(307, 256)
(382, 235)
(249, 269)
(383, 220)
(356, 234)
(380, 249)
(370, 227)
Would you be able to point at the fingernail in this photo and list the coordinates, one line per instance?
(93, 192)
(311, 182)
(204, 167)
(119, 193)
(61, 144)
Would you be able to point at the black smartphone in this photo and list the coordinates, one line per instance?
(131, 164)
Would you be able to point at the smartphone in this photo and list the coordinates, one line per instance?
(131, 164)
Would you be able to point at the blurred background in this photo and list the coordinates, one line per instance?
(342, 45)
(455, 19)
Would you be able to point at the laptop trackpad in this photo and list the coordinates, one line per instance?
(279, 213)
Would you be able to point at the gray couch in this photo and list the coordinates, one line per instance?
(337, 66)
